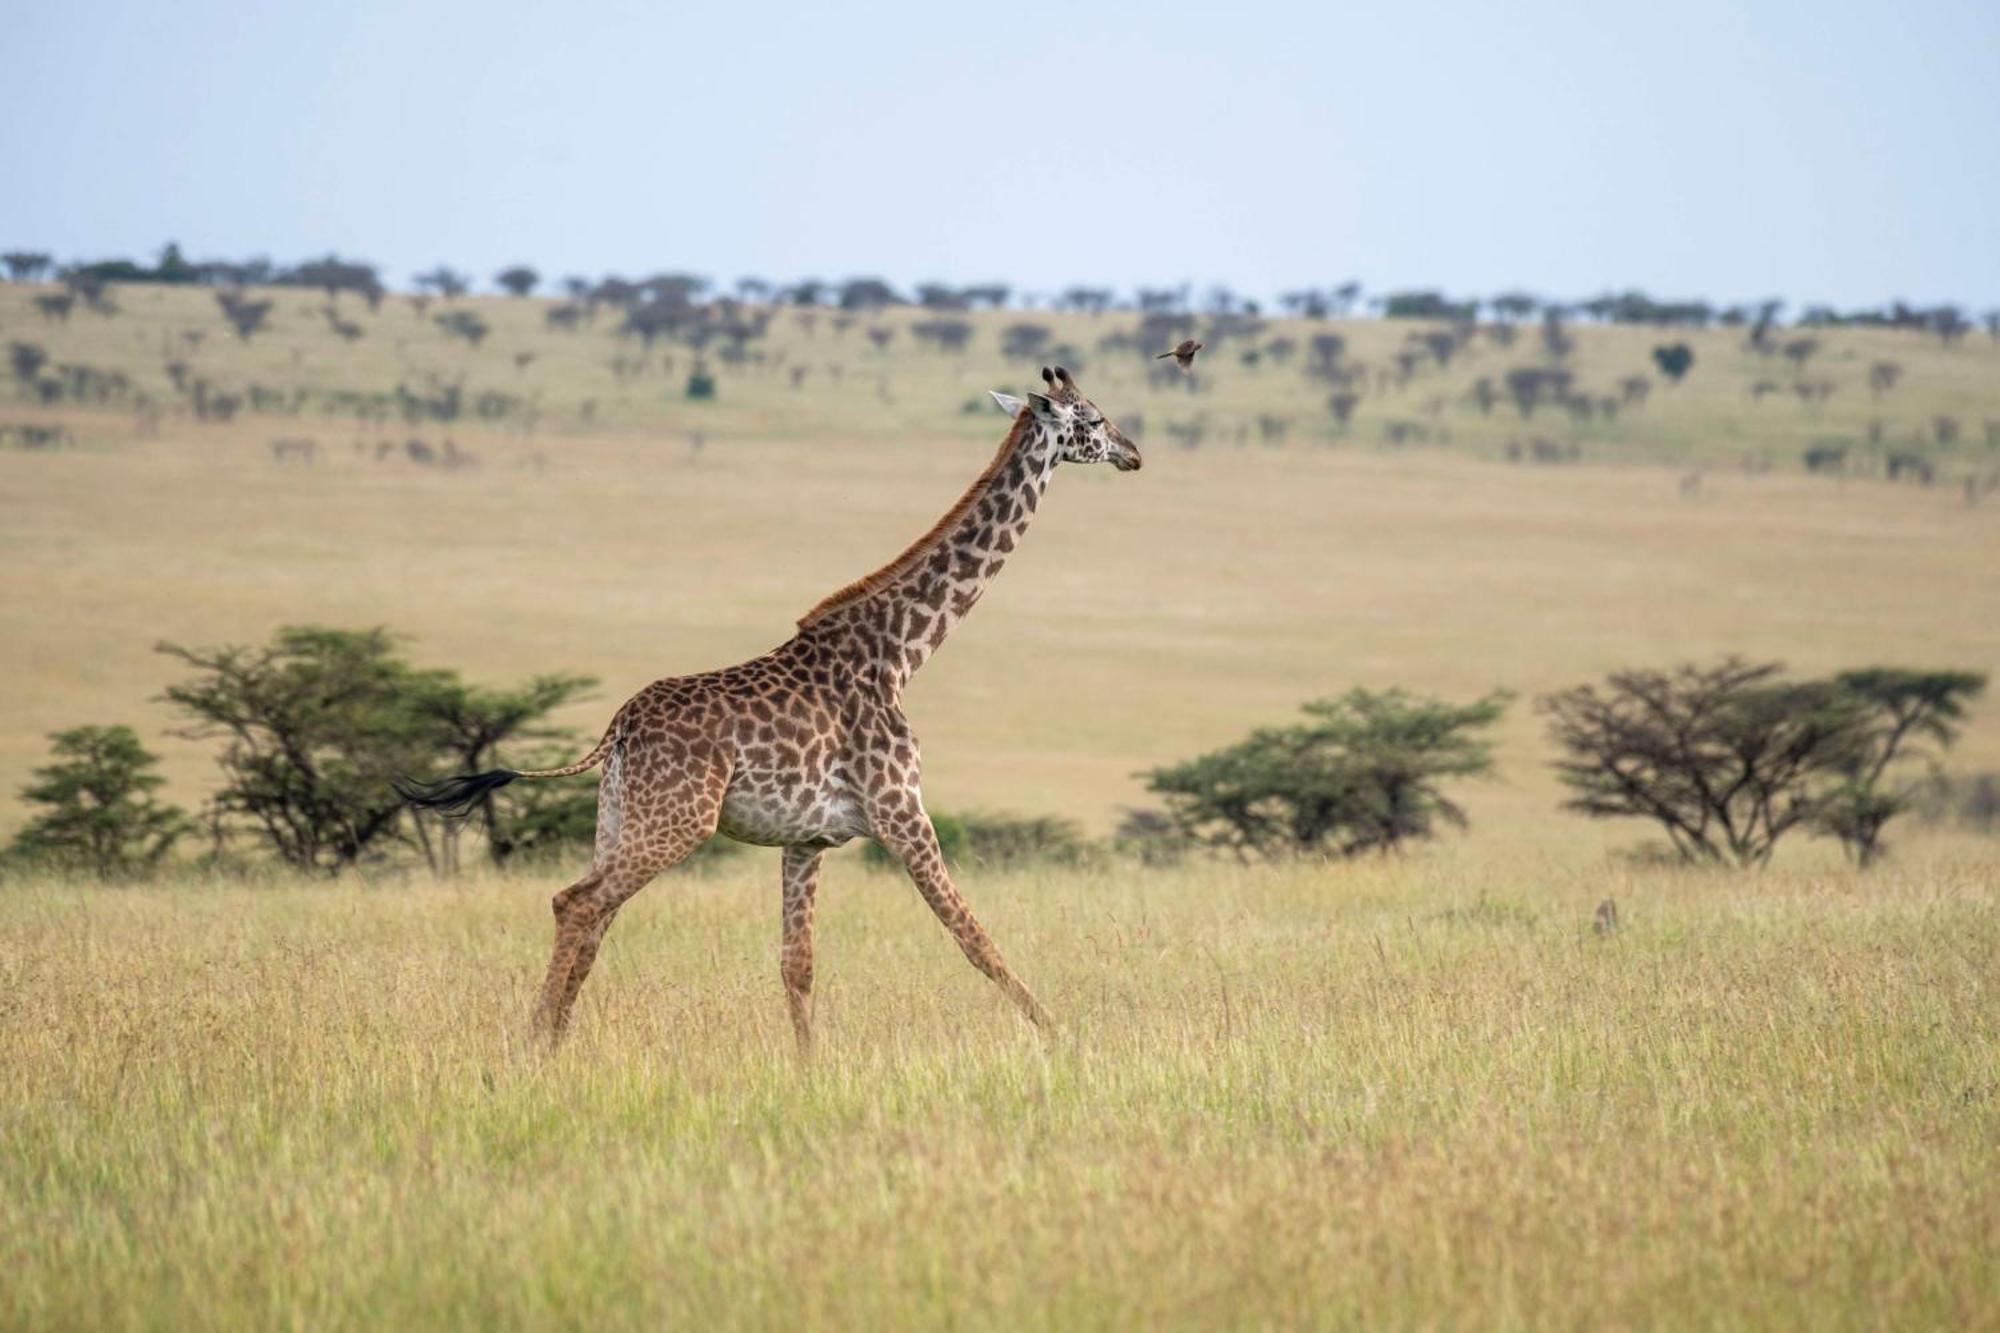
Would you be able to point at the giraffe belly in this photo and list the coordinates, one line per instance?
(770, 816)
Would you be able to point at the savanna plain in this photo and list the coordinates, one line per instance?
(1405, 1091)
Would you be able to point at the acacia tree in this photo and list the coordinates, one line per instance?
(1726, 759)
(334, 275)
(26, 265)
(26, 361)
(1533, 386)
(1798, 351)
(518, 280)
(444, 280)
(320, 727)
(655, 319)
(867, 294)
(946, 334)
(1556, 339)
(315, 727)
(1323, 355)
(1361, 774)
(98, 813)
(1905, 710)
(244, 315)
(91, 287)
(471, 723)
(464, 324)
(1025, 341)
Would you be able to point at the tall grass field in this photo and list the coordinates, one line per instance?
(1406, 1093)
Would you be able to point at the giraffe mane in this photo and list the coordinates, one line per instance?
(922, 546)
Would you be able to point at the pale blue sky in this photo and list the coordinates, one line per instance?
(1819, 151)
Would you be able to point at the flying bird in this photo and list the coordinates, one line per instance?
(1184, 354)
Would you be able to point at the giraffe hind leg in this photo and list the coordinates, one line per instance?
(643, 843)
(575, 924)
(584, 911)
(576, 942)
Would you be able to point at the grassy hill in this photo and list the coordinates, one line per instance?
(1148, 616)
(822, 374)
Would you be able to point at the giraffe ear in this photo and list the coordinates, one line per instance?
(1047, 409)
(1008, 402)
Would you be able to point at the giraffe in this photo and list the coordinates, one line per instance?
(807, 747)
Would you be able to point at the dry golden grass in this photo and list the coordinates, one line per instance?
(1415, 1093)
(1410, 1093)
(1146, 617)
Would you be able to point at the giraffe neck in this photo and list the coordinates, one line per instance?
(896, 618)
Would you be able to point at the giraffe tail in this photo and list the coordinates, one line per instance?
(457, 797)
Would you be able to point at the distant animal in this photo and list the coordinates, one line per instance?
(807, 747)
(1184, 354)
(1606, 920)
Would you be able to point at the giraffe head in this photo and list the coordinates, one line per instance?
(1082, 432)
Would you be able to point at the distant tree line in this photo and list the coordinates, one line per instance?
(331, 274)
(335, 275)
(722, 331)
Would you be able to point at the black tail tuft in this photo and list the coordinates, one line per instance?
(454, 798)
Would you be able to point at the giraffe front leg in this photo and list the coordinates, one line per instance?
(907, 832)
(795, 950)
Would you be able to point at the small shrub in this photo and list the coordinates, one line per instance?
(1649, 856)
(1969, 801)
(1005, 842)
(1674, 360)
(1151, 837)
(1484, 911)
(97, 812)
(464, 324)
(1361, 774)
(999, 842)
